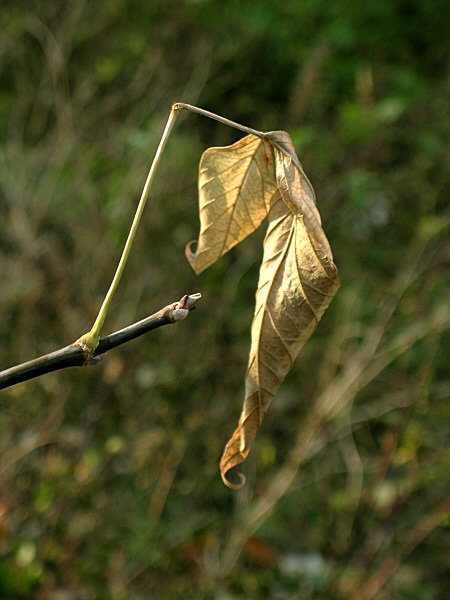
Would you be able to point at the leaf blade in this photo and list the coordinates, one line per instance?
(236, 186)
(298, 280)
(295, 187)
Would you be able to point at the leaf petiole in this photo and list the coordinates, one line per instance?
(224, 120)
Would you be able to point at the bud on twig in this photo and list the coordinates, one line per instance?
(181, 309)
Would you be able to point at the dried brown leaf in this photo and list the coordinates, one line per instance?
(236, 185)
(295, 188)
(298, 280)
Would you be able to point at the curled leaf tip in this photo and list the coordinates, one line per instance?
(233, 455)
(190, 255)
(233, 486)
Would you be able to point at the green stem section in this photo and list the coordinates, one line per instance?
(89, 341)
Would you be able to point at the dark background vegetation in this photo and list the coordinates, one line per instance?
(109, 484)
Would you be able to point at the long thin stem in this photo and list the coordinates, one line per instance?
(90, 340)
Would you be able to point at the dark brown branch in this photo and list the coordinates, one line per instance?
(74, 356)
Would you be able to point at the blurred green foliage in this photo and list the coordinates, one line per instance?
(109, 485)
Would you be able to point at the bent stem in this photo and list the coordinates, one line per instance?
(224, 120)
(89, 341)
